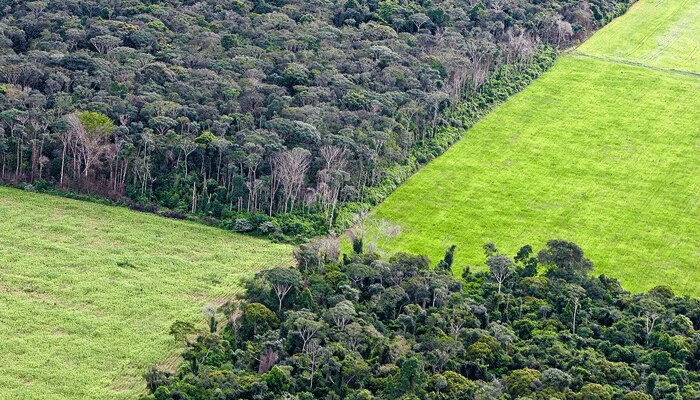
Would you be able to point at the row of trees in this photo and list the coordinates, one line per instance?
(225, 108)
(362, 327)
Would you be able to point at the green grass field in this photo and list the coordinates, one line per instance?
(602, 153)
(657, 33)
(74, 324)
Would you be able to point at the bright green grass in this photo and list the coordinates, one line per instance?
(658, 33)
(604, 154)
(73, 324)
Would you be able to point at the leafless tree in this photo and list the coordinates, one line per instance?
(92, 144)
(331, 179)
(314, 351)
(66, 137)
(519, 48)
(383, 231)
(267, 360)
(289, 169)
(576, 293)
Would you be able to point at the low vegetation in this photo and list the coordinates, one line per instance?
(88, 292)
(602, 153)
(370, 328)
(658, 33)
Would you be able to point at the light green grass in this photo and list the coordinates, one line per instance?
(73, 324)
(658, 33)
(604, 154)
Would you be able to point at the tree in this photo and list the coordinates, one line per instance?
(566, 256)
(92, 130)
(278, 380)
(521, 382)
(283, 280)
(651, 310)
(594, 391)
(411, 378)
(575, 293)
(105, 43)
(257, 319)
(290, 168)
(446, 263)
(181, 330)
(305, 325)
(341, 314)
(501, 267)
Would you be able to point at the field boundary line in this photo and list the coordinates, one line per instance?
(673, 71)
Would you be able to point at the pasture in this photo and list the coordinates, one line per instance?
(657, 33)
(601, 153)
(88, 292)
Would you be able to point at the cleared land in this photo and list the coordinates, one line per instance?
(601, 153)
(88, 292)
(657, 33)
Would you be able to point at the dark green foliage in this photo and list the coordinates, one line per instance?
(368, 328)
(201, 103)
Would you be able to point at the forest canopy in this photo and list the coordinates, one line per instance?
(537, 325)
(239, 110)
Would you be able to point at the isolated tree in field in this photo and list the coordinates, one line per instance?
(490, 249)
(283, 280)
(383, 232)
(500, 266)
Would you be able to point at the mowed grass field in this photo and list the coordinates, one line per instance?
(656, 33)
(601, 153)
(88, 292)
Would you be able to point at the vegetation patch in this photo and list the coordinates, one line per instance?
(371, 328)
(88, 292)
(601, 153)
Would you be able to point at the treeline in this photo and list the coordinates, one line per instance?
(239, 110)
(361, 327)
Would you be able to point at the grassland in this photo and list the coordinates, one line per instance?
(656, 33)
(87, 292)
(602, 153)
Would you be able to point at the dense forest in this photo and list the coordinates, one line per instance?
(533, 326)
(240, 110)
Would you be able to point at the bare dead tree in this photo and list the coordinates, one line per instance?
(66, 137)
(290, 168)
(314, 350)
(331, 179)
(382, 233)
(92, 144)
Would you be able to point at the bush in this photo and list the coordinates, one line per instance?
(242, 225)
(174, 214)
